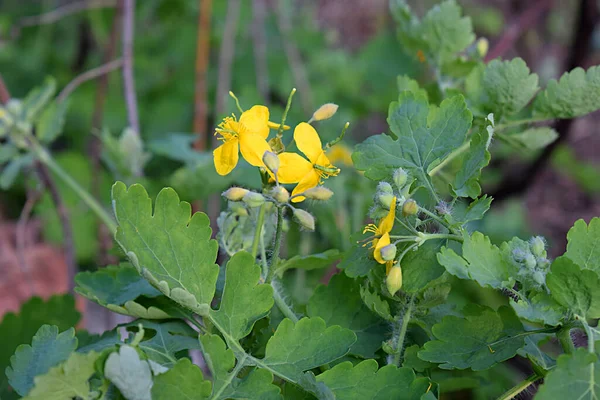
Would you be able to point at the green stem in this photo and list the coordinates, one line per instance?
(520, 387)
(508, 124)
(285, 112)
(45, 157)
(225, 384)
(278, 240)
(398, 344)
(590, 335)
(423, 237)
(281, 304)
(464, 147)
(260, 221)
(564, 338)
(435, 217)
(263, 257)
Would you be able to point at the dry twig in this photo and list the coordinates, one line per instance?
(202, 57)
(87, 76)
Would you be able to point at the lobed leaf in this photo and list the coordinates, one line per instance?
(584, 244)
(539, 308)
(184, 381)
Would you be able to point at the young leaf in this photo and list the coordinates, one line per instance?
(376, 304)
(129, 373)
(406, 83)
(37, 99)
(364, 381)
(539, 308)
(536, 138)
(170, 249)
(313, 261)
(182, 382)
(584, 244)
(576, 93)
(244, 300)
(411, 360)
(67, 380)
(10, 172)
(420, 267)
(52, 121)
(481, 339)
(339, 303)
(576, 376)
(474, 212)
(575, 288)
(426, 136)
(48, 348)
(481, 261)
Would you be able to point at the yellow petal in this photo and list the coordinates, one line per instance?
(275, 125)
(253, 148)
(308, 142)
(309, 181)
(386, 224)
(226, 157)
(340, 153)
(381, 243)
(293, 167)
(255, 120)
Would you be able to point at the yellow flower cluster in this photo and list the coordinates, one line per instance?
(249, 135)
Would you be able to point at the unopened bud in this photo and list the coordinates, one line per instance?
(253, 199)
(385, 188)
(409, 207)
(235, 193)
(238, 208)
(400, 177)
(277, 145)
(271, 161)
(388, 253)
(326, 111)
(318, 193)
(482, 47)
(385, 200)
(537, 245)
(394, 279)
(305, 219)
(280, 194)
(530, 261)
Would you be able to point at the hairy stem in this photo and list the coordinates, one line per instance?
(280, 302)
(260, 221)
(278, 240)
(564, 338)
(398, 339)
(520, 387)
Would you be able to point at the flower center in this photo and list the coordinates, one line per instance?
(227, 129)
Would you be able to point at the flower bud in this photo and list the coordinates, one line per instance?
(271, 161)
(326, 111)
(385, 200)
(482, 47)
(253, 199)
(305, 219)
(530, 261)
(394, 279)
(238, 208)
(277, 145)
(400, 177)
(235, 193)
(388, 253)
(385, 188)
(280, 194)
(410, 207)
(537, 245)
(318, 193)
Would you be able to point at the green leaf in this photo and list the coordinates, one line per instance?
(576, 376)
(48, 348)
(51, 122)
(411, 360)
(364, 381)
(37, 99)
(182, 382)
(67, 380)
(340, 303)
(10, 172)
(434, 295)
(481, 339)
(310, 262)
(129, 373)
(539, 308)
(575, 288)
(125, 155)
(357, 261)
(244, 301)
(533, 352)
(475, 211)
(576, 93)
(170, 249)
(375, 303)
(509, 86)
(584, 244)
(536, 138)
(306, 345)
(88, 342)
(420, 267)
(426, 136)
(406, 83)
(481, 261)
(466, 181)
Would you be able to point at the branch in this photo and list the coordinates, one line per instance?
(87, 76)
(259, 38)
(202, 56)
(524, 22)
(226, 55)
(128, 81)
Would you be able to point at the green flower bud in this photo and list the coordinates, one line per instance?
(409, 207)
(530, 261)
(305, 219)
(482, 47)
(394, 279)
(318, 193)
(253, 199)
(400, 178)
(238, 208)
(388, 253)
(385, 188)
(280, 194)
(326, 111)
(385, 200)
(235, 193)
(537, 245)
(271, 161)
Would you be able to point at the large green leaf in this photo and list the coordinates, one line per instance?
(481, 339)
(365, 382)
(584, 244)
(182, 382)
(340, 303)
(168, 247)
(48, 348)
(426, 136)
(129, 373)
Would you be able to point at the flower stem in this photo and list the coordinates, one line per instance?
(285, 112)
(260, 221)
(520, 387)
(508, 124)
(564, 338)
(278, 240)
(423, 237)
(398, 340)
(435, 217)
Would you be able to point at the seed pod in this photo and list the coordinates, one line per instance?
(271, 161)
(326, 111)
(394, 279)
(388, 253)
(410, 207)
(305, 219)
(235, 193)
(318, 193)
(400, 177)
(253, 199)
(280, 194)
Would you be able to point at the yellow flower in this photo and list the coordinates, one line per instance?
(382, 235)
(293, 168)
(249, 135)
(340, 153)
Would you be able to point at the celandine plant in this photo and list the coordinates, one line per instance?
(382, 328)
